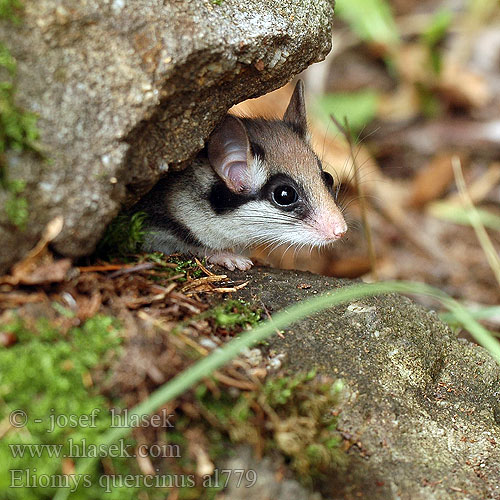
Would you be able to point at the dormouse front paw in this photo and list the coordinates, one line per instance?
(230, 261)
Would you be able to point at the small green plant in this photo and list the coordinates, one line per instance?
(299, 420)
(232, 314)
(434, 34)
(123, 236)
(186, 266)
(156, 258)
(360, 107)
(372, 20)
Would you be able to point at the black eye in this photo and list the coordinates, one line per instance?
(328, 179)
(284, 195)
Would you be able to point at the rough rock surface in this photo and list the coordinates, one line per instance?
(127, 90)
(421, 408)
(266, 486)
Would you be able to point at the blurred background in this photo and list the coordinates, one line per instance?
(419, 83)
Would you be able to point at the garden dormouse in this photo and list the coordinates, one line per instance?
(257, 182)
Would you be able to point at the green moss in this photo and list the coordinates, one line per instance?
(18, 130)
(7, 61)
(123, 236)
(292, 414)
(16, 208)
(10, 10)
(16, 205)
(231, 314)
(46, 374)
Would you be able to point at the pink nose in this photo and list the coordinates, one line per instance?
(339, 229)
(334, 232)
(330, 224)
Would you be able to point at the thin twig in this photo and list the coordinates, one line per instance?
(479, 188)
(268, 314)
(233, 382)
(475, 220)
(173, 333)
(203, 268)
(203, 281)
(103, 268)
(144, 266)
(346, 132)
(231, 289)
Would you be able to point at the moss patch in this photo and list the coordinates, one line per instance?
(234, 314)
(294, 414)
(123, 236)
(10, 10)
(18, 130)
(16, 205)
(187, 266)
(46, 378)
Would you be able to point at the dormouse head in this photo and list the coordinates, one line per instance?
(271, 181)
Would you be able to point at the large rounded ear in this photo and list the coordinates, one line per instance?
(295, 114)
(230, 155)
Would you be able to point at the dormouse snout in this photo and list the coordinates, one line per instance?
(330, 224)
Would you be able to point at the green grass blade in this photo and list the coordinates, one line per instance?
(481, 234)
(453, 212)
(484, 312)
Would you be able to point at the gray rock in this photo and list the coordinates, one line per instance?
(421, 407)
(257, 479)
(126, 91)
